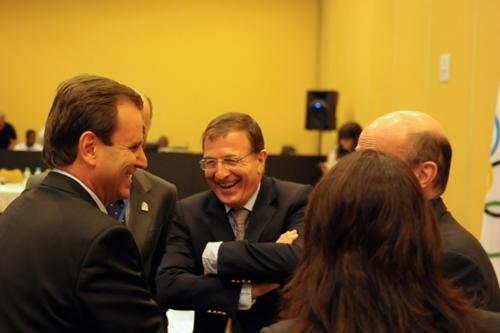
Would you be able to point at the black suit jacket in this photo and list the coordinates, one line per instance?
(485, 322)
(68, 267)
(200, 219)
(151, 208)
(466, 264)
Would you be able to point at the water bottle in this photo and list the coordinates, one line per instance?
(27, 173)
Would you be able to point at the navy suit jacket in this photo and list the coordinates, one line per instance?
(68, 267)
(202, 218)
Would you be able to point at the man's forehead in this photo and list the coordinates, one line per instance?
(378, 137)
(385, 135)
(407, 121)
(389, 133)
(239, 136)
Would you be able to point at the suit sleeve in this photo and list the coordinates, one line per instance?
(266, 261)
(111, 289)
(181, 284)
(466, 275)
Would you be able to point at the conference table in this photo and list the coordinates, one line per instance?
(8, 192)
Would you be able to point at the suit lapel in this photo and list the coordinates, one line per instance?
(219, 225)
(139, 216)
(262, 212)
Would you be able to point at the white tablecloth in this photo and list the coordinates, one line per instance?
(180, 321)
(8, 192)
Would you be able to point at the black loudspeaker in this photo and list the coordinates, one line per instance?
(320, 110)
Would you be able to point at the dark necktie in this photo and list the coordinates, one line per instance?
(116, 210)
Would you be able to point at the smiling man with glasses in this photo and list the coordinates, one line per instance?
(231, 247)
(229, 162)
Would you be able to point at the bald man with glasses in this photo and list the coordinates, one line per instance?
(230, 248)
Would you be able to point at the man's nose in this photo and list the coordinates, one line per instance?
(220, 169)
(141, 161)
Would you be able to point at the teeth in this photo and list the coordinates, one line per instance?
(227, 185)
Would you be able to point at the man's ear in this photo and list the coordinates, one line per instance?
(87, 147)
(426, 173)
(261, 158)
(262, 155)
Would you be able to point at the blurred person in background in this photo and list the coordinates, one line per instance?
(30, 144)
(8, 136)
(162, 142)
(347, 140)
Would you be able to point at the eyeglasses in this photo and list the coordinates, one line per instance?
(232, 162)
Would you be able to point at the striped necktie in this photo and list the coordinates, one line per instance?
(240, 218)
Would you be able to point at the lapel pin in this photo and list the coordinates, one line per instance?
(144, 206)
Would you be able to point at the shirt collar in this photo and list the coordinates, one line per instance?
(250, 203)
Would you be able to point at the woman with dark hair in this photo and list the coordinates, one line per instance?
(347, 140)
(371, 259)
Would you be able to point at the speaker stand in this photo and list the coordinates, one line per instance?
(320, 143)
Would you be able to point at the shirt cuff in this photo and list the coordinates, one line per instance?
(209, 257)
(245, 302)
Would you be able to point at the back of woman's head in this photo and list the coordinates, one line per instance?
(371, 204)
(349, 131)
(371, 258)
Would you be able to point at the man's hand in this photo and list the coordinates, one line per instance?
(288, 237)
(262, 289)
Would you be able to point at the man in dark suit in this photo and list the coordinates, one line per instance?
(66, 265)
(148, 211)
(229, 248)
(419, 140)
(151, 209)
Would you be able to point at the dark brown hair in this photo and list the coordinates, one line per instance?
(431, 146)
(350, 130)
(234, 121)
(372, 259)
(82, 103)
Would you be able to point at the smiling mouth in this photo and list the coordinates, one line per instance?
(228, 185)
